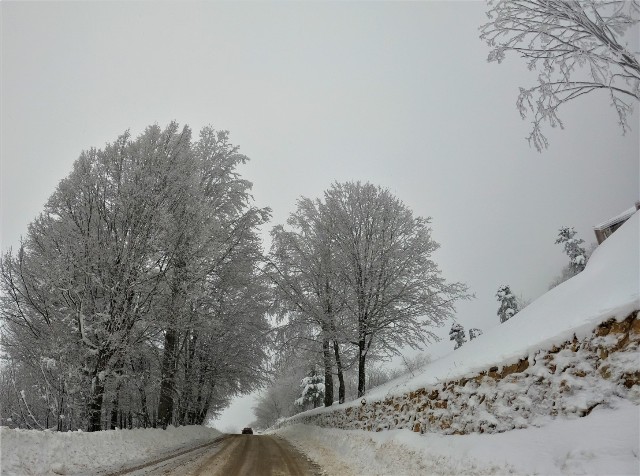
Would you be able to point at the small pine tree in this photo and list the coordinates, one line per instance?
(312, 390)
(572, 247)
(457, 334)
(475, 332)
(508, 303)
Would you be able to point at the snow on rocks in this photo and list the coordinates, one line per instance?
(34, 452)
(571, 379)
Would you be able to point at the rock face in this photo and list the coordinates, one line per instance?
(570, 379)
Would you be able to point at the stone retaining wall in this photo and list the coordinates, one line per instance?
(570, 379)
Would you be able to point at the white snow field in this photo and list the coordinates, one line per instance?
(34, 452)
(605, 442)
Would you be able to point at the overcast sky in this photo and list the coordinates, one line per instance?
(397, 94)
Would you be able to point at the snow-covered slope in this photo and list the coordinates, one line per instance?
(573, 352)
(609, 287)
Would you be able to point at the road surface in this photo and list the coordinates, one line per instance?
(250, 455)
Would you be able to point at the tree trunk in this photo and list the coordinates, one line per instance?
(186, 400)
(362, 355)
(97, 393)
(60, 407)
(165, 404)
(114, 411)
(95, 406)
(143, 405)
(328, 373)
(341, 389)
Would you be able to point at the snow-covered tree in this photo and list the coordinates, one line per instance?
(578, 46)
(309, 296)
(508, 303)
(394, 290)
(138, 288)
(568, 271)
(356, 269)
(457, 334)
(573, 248)
(212, 274)
(475, 332)
(312, 390)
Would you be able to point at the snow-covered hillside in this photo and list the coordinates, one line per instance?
(609, 287)
(571, 353)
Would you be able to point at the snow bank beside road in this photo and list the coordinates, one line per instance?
(605, 443)
(33, 452)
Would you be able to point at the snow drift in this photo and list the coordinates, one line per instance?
(35, 452)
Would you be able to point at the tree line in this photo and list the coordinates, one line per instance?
(135, 298)
(141, 295)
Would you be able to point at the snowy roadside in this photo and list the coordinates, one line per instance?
(33, 452)
(604, 443)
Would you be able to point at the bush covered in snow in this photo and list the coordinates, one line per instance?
(508, 303)
(457, 334)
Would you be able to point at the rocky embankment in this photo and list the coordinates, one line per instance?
(569, 379)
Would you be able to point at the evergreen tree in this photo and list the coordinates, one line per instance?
(312, 390)
(457, 334)
(572, 247)
(508, 303)
(473, 333)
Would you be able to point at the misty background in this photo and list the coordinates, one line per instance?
(397, 94)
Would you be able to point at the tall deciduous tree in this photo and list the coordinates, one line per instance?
(307, 287)
(394, 290)
(578, 47)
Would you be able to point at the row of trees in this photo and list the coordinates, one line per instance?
(140, 296)
(354, 280)
(135, 298)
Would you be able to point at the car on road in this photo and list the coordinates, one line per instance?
(247, 431)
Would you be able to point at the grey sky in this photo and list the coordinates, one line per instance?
(398, 94)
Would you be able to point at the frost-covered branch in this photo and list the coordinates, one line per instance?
(577, 46)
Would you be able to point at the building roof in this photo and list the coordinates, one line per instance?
(617, 219)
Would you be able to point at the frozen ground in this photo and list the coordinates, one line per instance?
(34, 452)
(606, 442)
